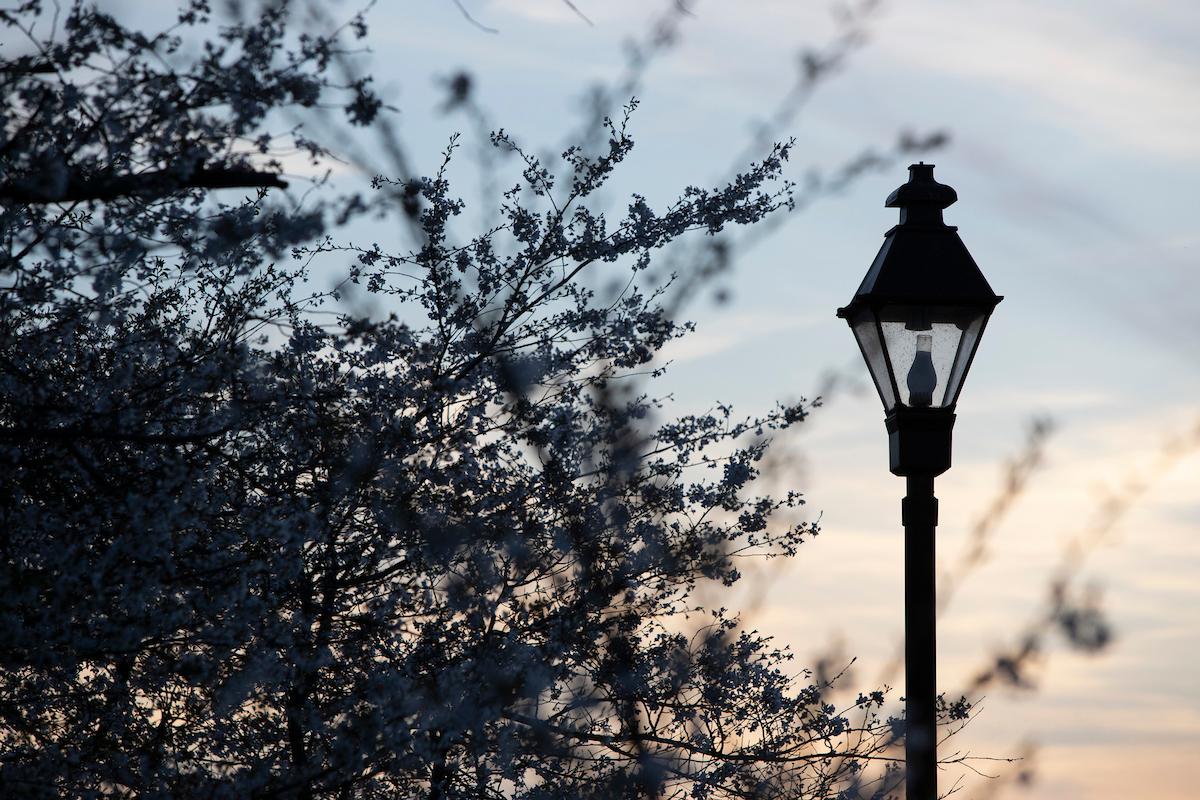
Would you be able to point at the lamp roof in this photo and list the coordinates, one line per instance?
(922, 261)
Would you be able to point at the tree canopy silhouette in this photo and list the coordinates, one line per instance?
(254, 543)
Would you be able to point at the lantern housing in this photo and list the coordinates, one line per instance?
(920, 312)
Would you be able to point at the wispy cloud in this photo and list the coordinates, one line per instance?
(732, 331)
(1084, 74)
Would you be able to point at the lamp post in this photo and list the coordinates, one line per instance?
(918, 317)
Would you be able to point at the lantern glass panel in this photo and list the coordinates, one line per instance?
(966, 351)
(925, 346)
(867, 332)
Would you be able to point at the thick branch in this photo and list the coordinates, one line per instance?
(154, 183)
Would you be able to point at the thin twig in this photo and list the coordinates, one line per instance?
(578, 13)
(472, 20)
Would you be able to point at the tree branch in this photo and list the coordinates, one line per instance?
(154, 183)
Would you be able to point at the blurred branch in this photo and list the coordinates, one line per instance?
(1074, 612)
(69, 187)
(818, 184)
(28, 65)
(467, 15)
(578, 13)
(813, 66)
(1017, 474)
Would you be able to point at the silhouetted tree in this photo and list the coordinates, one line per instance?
(253, 544)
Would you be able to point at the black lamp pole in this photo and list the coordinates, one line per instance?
(917, 452)
(918, 317)
(920, 642)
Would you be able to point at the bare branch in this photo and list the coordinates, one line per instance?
(472, 20)
(578, 13)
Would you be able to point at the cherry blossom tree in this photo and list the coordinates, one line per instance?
(255, 543)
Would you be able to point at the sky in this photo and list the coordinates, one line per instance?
(1075, 151)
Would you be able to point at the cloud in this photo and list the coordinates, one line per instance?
(1091, 77)
(727, 332)
(557, 12)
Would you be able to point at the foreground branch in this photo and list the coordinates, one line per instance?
(72, 187)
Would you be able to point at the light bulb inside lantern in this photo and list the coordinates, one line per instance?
(922, 379)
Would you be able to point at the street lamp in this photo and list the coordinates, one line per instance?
(918, 317)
